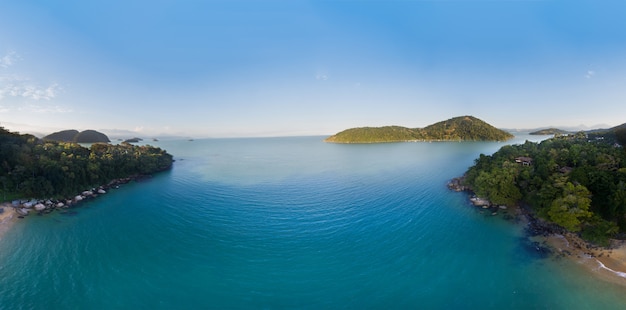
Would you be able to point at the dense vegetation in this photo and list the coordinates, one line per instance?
(375, 134)
(549, 131)
(30, 167)
(464, 128)
(577, 182)
(71, 135)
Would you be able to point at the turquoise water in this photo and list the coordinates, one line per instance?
(289, 223)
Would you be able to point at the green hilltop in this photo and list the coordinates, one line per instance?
(72, 135)
(549, 131)
(462, 128)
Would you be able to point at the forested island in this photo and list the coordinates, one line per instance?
(549, 131)
(576, 181)
(72, 135)
(463, 128)
(34, 168)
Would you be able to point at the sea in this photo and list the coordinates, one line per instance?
(291, 223)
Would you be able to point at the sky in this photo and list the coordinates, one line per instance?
(242, 68)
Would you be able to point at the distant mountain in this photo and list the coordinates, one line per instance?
(62, 136)
(71, 135)
(133, 140)
(549, 131)
(91, 136)
(463, 128)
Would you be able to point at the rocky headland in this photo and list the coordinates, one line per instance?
(549, 240)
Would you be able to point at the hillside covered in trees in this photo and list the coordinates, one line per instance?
(577, 182)
(71, 135)
(463, 128)
(34, 168)
(549, 131)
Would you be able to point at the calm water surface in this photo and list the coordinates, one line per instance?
(289, 223)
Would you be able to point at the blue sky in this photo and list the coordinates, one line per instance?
(271, 68)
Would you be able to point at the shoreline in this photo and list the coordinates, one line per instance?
(7, 218)
(607, 264)
(12, 212)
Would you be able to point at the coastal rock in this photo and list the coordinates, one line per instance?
(60, 205)
(78, 198)
(40, 207)
(22, 211)
(477, 201)
(101, 191)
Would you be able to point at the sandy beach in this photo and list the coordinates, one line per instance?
(607, 264)
(7, 218)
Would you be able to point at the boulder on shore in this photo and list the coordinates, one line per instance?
(480, 201)
(21, 211)
(40, 207)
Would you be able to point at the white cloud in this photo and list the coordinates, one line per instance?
(11, 86)
(9, 59)
(321, 77)
(590, 74)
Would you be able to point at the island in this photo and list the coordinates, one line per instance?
(133, 140)
(72, 135)
(549, 131)
(463, 128)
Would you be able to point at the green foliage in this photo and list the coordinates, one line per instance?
(466, 128)
(599, 231)
(30, 167)
(499, 185)
(375, 135)
(574, 181)
(549, 131)
(571, 208)
(71, 135)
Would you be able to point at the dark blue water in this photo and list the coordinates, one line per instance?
(289, 223)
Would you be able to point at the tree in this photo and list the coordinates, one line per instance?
(499, 185)
(571, 208)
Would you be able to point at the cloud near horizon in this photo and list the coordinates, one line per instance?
(12, 85)
(9, 59)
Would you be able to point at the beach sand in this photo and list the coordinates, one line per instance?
(7, 218)
(607, 264)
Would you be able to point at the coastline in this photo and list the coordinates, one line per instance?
(7, 218)
(11, 213)
(607, 264)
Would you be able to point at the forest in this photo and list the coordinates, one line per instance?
(462, 128)
(33, 168)
(576, 181)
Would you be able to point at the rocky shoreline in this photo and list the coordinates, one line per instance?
(535, 227)
(549, 240)
(44, 206)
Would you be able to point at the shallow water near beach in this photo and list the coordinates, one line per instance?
(290, 223)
